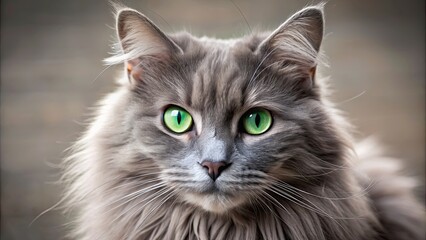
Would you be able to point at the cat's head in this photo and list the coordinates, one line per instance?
(223, 121)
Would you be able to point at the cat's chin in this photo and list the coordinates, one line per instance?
(215, 202)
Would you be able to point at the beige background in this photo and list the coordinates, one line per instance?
(51, 55)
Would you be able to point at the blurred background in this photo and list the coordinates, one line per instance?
(51, 54)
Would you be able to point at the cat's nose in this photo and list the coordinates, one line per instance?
(214, 168)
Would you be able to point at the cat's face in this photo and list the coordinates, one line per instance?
(225, 120)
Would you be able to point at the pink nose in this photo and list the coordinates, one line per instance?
(214, 168)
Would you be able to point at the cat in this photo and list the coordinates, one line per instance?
(230, 139)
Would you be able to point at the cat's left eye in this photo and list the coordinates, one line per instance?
(177, 119)
(256, 121)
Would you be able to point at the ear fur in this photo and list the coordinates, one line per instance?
(139, 34)
(297, 41)
(139, 38)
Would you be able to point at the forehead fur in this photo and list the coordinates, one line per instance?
(222, 75)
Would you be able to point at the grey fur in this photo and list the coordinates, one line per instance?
(131, 178)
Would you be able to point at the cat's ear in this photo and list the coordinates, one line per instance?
(139, 39)
(297, 41)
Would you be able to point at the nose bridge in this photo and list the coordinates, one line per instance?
(215, 146)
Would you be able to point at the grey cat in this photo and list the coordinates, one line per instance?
(230, 139)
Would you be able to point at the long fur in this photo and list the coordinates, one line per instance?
(128, 178)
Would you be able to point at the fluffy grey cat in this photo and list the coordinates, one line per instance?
(230, 139)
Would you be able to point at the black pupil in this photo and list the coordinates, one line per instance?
(257, 119)
(179, 117)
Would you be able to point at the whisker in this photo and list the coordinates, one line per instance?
(313, 208)
(118, 186)
(242, 15)
(262, 203)
(100, 74)
(276, 201)
(351, 99)
(132, 185)
(46, 211)
(287, 186)
(135, 195)
(141, 220)
(162, 192)
(298, 202)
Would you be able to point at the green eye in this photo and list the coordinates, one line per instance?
(177, 119)
(257, 121)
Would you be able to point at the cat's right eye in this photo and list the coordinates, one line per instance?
(177, 119)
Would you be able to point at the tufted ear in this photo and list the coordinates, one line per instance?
(140, 39)
(297, 41)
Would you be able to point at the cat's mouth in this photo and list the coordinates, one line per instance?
(210, 194)
(214, 200)
(214, 189)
